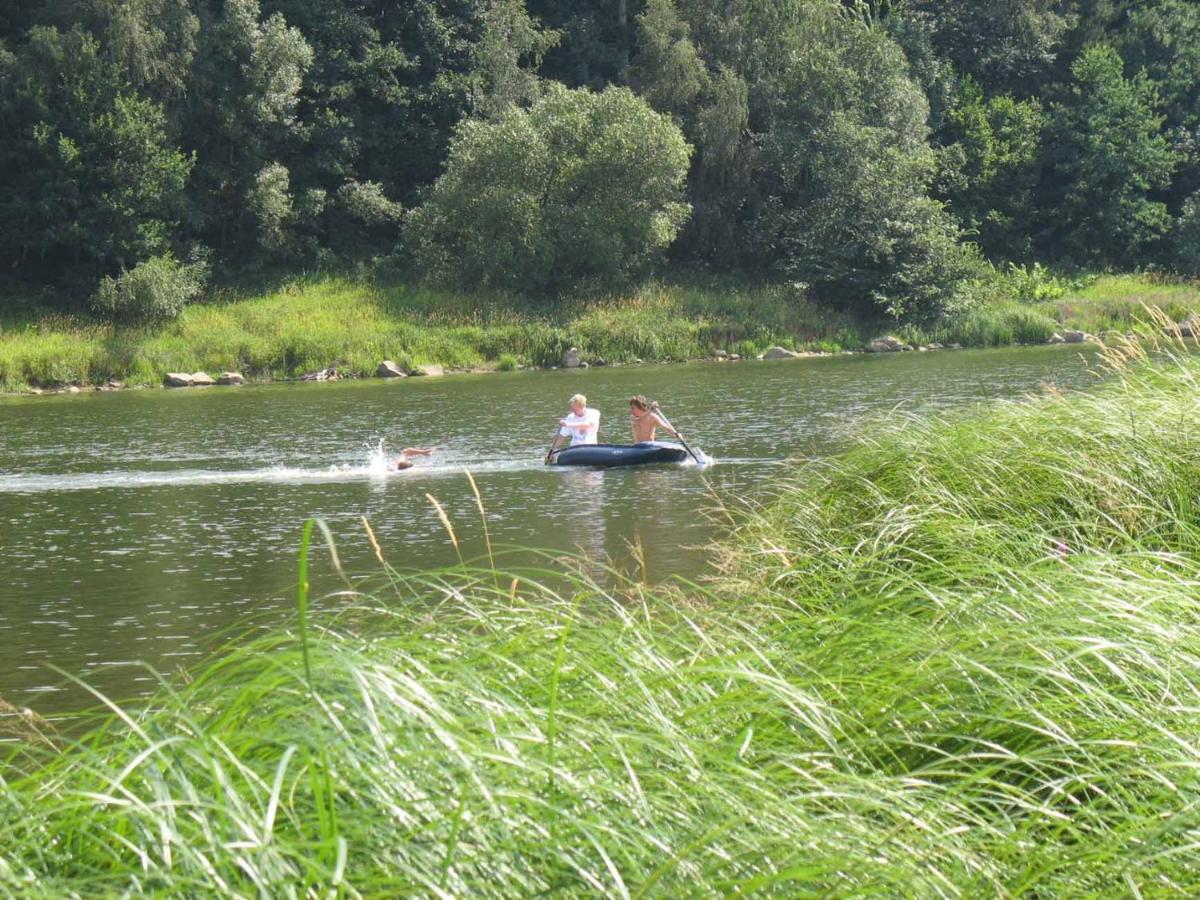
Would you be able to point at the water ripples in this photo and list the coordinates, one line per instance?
(140, 527)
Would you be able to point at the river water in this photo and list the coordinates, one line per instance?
(135, 526)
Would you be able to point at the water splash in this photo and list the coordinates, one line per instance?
(379, 461)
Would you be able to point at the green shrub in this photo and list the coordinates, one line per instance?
(270, 201)
(507, 363)
(828, 345)
(154, 290)
(1032, 284)
(747, 349)
(366, 202)
(542, 345)
(363, 217)
(581, 188)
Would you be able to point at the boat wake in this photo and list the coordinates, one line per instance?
(379, 466)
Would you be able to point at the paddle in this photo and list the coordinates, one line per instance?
(553, 440)
(656, 408)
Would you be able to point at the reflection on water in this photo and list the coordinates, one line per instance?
(582, 493)
(136, 525)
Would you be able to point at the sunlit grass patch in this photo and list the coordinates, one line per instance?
(994, 325)
(57, 351)
(1148, 287)
(354, 322)
(1113, 303)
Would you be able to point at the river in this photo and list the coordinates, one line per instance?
(135, 526)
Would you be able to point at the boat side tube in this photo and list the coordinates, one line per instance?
(610, 456)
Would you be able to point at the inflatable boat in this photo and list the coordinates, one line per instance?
(608, 456)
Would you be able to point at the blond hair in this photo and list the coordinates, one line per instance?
(578, 399)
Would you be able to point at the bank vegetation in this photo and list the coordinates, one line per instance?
(353, 322)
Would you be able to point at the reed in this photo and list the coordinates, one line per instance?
(487, 536)
(446, 523)
(374, 541)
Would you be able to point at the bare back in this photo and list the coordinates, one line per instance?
(644, 426)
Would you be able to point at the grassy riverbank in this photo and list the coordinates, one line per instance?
(308, 324)
(964, 658)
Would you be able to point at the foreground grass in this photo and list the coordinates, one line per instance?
(311, 323)
(962, 659)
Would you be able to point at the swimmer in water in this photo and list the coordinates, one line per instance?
(403, 461)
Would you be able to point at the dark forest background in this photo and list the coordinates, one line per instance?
(882, 154)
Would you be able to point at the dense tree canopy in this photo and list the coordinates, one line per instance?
(582, 186)
(990, 168)
(91, 178)
(846, 172)
(872, 149)
(1109, 153)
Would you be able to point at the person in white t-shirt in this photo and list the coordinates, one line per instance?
(581, 426)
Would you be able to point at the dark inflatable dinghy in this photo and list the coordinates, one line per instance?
(609, 456)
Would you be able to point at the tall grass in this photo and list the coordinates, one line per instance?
(995, 325)
(963, 659)
(311, 322)
(1112, 471)
(1114, 303)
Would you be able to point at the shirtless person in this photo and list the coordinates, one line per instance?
(645, 420)
(403, 462)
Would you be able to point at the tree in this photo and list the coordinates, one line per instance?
(241, 117)
(931, 68)
(387, 85)
(846, 174)
(993, 165)
(582, 187)
(364, 218)
(151, 42)
(1163, 38)
(596, 39)
(16, 18)
(712, 107)
(1185, 239)
(668, 70)
(270, 202)
(1007, 46)
(507, 57)
(858, 227)
(1108, 154)
(87, 173)
(156, 289)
